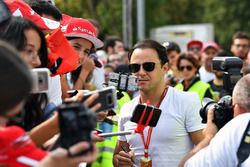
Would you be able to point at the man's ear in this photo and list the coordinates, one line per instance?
(239, 110)
(165, 67)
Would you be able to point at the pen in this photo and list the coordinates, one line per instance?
(125, 149)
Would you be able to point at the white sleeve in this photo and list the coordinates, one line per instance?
(193, 119)
(55, 91)
(122, 121)
(223, 147)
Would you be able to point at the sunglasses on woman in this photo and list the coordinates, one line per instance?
(147, 66)
(189, 68)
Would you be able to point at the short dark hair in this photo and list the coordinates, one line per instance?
(44, 7)
(171, 46)
(240, 35)
(148, 43)
(189, 57)
(110, 42)
(14, 33)
(16, 81)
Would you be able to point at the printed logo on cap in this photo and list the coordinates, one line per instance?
(83, 30)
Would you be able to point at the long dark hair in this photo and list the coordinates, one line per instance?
(14, 33)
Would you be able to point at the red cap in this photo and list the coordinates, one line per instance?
(194, 43)
(20, 8)
(17, 149)
(65, 20)
(78, 27)
(210, 44)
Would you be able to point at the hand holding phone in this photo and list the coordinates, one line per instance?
(107, 98)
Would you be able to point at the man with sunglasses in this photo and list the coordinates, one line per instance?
(179, 126)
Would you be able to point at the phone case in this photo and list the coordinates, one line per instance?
(107, 98)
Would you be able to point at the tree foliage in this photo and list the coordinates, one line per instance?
(228, 16)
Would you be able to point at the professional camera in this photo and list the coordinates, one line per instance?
(232, 70)
(223, 110)
(76, 124)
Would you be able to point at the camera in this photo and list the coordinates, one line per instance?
(123, 82)
(223, 110)
(232, 70)
(40, 80)
(76, 123)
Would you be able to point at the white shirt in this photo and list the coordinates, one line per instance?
(205, 75)
(98, 78)
(222, 150)
(170, 140)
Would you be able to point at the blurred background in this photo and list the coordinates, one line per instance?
(122, 17)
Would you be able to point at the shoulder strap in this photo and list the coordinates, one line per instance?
(244, 148)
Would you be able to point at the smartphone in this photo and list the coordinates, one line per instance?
(40, 78)
(155, 118)
(72, 93)
(107, 98)
(143, 110)
(76, 124)
(137, 113)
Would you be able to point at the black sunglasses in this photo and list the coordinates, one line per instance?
(147, 66)
(189, 68)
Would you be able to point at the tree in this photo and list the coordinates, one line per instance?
(228, 16)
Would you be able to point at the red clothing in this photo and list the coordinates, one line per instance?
(17, 149)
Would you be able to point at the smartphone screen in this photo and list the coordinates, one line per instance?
(137, 113)
(155, 118)
(147, 110)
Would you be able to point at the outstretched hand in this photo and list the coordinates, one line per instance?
(60, 157)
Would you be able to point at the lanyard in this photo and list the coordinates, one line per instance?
(147, 142)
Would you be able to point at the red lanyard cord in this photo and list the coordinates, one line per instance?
(150, 129)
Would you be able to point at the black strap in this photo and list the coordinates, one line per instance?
(56, 65)
(244, 148)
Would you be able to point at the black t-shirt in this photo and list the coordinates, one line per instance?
(218, 89)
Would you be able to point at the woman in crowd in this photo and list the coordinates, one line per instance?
(81, 35)
(17, 149)
(188, 67)
(29, 40)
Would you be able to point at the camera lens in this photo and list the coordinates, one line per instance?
(206, 104)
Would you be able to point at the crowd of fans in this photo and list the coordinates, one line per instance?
(35, 34)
